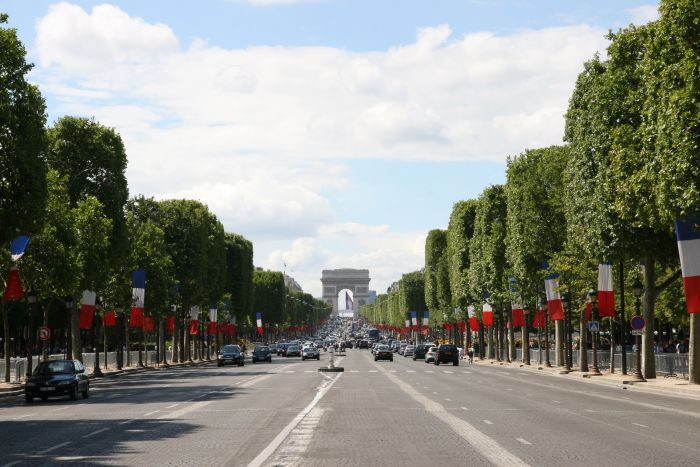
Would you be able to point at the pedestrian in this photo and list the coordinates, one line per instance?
(470, 355)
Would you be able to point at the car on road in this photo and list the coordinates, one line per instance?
(447, 353)
(57, 378)
(230, 354)
(282, 347)
(310, 352)
(402, 348)
(383, 352)
(262, 354)
(408, 351)
(430, 354)
(292, 351)
(364, 344)
(395, 346)
(420, 351)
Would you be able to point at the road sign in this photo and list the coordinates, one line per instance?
(637, 332)
(594, 326)
(637, 323)
(44, 333)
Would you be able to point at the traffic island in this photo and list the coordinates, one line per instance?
(331, 368)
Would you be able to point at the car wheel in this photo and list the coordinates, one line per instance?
(375, 359)
(219, 364)
(73, 392)
(44, 398)
(455, 363)
(391, 359)
(414, 359)
(86, 392)
(437, 363)
(269, 360)
(29, 399)
(302, 359)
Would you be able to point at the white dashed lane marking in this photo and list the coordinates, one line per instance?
(95, 432)
(523, 441)
(639, 424)
(52, 448)
(488, 422)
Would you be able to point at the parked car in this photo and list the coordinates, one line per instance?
(292, 350)
(230, 354)
(420, 351)
(447, 353)
(262, 354)
(383, 352)
(430, 354)
(408, 350)
(310, 352)
(57, 378)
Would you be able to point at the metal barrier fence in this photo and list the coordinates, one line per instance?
(18, 366)
(667, 364)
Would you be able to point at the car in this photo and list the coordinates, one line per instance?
(395, 346)
(310, 352)
(281, 348)
(447, 353)
(402, 348)
(57, 378)
(230, 354)
(430, 354)
(292, 350)
(408, 351)
(363, 344)
(383, 352)
(420, 351)
(262, 353)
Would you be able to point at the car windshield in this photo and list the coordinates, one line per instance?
(383, 347)
(292, 347)
(54, 368)
(230, 348)
(261, 349)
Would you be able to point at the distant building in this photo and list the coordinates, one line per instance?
(292, 284)
(371, 297)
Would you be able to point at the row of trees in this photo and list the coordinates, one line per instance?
(631, 166)
(65, 187)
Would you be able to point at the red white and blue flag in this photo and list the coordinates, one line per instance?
(18, 246)
(414, 320)
(194, 320)
(554, 304)
(473, 320)
(606, 296)
(213, 312)
(139, 298)
(258, 322)
(518, 314)
(688, 237)
(487, 318)
(87, 309)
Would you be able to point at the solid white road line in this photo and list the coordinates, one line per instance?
(464, 408)
(95, 432)
(171, 406)
(523, 441)
(275, 443)
(488, 422)
(53, 448)
(11, 464)
(639, 424)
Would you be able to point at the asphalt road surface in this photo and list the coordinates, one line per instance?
(375, 413)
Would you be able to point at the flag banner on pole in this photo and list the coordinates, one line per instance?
(13, 289)
(258, 322)
(18, 246)
(518, 316)
(109, 320)
(231, 329)
(213, 312)
(488, 315)
(462, 326)
(414, 320)
(426, 318)
(408, 324)
(139, 296)
(212, 328)
(425, 330)
(170, 323)
(87, 310)
(473, 320)
(588, 311)
(688, 237)
(538, 321)
(551, 287)
(606, 296)
(148, 324)
(194, 320)
(222, 328)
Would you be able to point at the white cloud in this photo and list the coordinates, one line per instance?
(644, 14)
(260, 133)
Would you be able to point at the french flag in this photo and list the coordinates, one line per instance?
(606, 296)
(518, 314)
(551, 287)
(139, 294)
(414, 320)
(258, 322)
(426, 318)
(87, 309)
(213, 312)
(473, 320)
(408, 324)
(18, 246)
(488, 315)
(194, 320)
(688, 236)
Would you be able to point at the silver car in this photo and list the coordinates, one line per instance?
(408, 351)
(430, 355)
(310, 352)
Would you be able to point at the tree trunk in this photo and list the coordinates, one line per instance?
(491, 351)
(161, 343)
(612, 345)
(526, 343)
(583, 343)
(648, 358)
(127, 342)
(6, 337)
(694, 350)
(175, 357)
(511, 338)
(559, 342)
(75, 334)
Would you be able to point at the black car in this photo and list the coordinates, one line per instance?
(282, 348)
(230, 354)
(363, 344)
(57, 378)
(420, 351)
(262, 354)
(292, 351)
(447, 353)
(383, 352)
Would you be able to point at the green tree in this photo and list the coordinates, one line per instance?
(438, 297)
(459, 231)
(269, 295)
(239, 261)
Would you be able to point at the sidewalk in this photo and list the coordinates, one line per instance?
(660, 385)
(13, 389)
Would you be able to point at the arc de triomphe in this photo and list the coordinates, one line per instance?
(355, 280)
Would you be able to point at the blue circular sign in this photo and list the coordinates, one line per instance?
(637, 323)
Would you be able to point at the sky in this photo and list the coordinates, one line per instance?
(331, 133)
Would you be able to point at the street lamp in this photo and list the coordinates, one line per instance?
(96, 371)
(547, 363)
(31, 300)
(566, 298)
(638, 290)
(593, 300)
(506, 334)
(539, 330)
(526, 337)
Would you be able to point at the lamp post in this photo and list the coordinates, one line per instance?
(96, 371)
(567, 334)
(31, 300)
(526, 337)
(593, 299)
(547, 363)
(539, 331)
(638, 290)
(506, 333)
